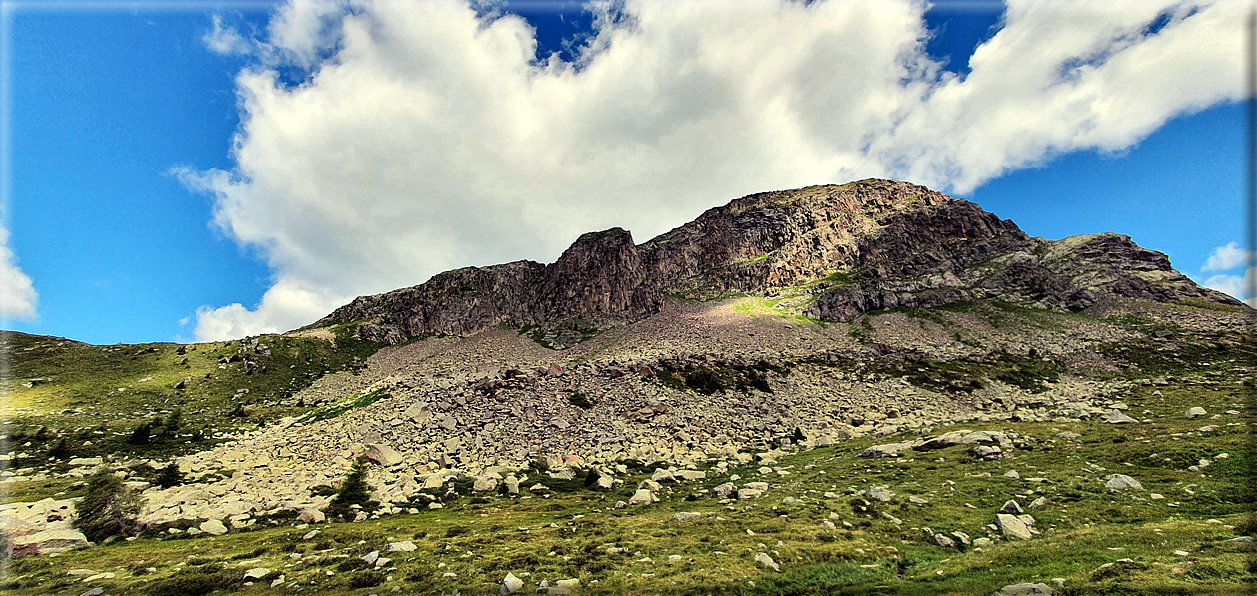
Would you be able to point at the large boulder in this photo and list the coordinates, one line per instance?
(213, 527)
(48, 541)
(1012, 526)
(383, 455)
(1121, 482)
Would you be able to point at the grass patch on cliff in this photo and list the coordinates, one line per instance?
(774, 306)
(343, 406)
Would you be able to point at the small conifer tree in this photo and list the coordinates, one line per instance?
(108, 509)
(171, 428)
(353, 491)
(59, 451)
(170, 476)
(142, 434)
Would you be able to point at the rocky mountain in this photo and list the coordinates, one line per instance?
(850, 249)
(836, 373)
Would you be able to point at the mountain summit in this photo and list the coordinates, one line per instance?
(835, 251)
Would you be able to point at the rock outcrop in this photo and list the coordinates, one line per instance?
(854, 248)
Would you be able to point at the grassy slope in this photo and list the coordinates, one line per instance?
(100, 394)
(1083, 526)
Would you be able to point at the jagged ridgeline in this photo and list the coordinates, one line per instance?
(836, 251)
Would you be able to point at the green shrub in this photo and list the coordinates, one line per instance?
(59, 451)
(197, 582)
(171, 428)
(366, 579)
(170, 476)
(354, 490)
(109, 508)
(580, 400)
(351, 565)
(142, 434)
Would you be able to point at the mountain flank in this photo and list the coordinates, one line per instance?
(859, 247)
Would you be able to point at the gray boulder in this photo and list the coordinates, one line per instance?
(642, 497)
(1118, 417)
(1025, 590)
(47, 542)
(1012, 527)
(213, 527)
(383, 455)
(879, 493)
(1121, 482)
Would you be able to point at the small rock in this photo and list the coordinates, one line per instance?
(687, 516)
(944, 541)
(1120, 482)
(564, 586)
(1025, 590)
(401, 547)
(257, 572)
(511, 584)
(1012, 507)
(1118, 417)
(642, 497)
(988, 452)
(767, 561)
(213, 527)
(1196, 412)
(879, 493)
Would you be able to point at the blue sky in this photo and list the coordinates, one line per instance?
(169, 166)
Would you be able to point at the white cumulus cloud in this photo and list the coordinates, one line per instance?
(18, 297)
(1229, 257)
(1225, 258)
(427, 136)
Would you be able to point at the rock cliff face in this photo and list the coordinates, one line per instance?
(867, 245)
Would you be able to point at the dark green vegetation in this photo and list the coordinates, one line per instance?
(71, 400)
(717, 378)
(108, 509)
(354, 490)
(1031, 372)
(336, 409)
